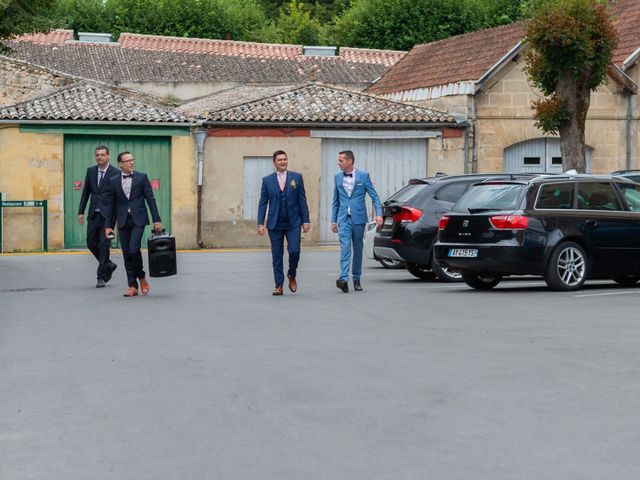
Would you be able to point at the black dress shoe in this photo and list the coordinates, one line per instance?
(100, 283)
(342, 285)
(110, 271)
(356, 286)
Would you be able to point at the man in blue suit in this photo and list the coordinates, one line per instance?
(95, 185)
(349, 217)
(125, 199)
(283, 191)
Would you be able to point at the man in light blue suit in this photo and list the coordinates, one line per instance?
(349, 217)
(283, 191)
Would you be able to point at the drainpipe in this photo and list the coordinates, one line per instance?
(474, 145)
(200, 136)
(466, 149)
(629, 120)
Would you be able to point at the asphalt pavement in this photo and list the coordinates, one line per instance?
(211, 377)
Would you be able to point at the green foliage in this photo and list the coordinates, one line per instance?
(23, 16)
(550, 114)
(569, 47)
(82, 15)
(295, 26)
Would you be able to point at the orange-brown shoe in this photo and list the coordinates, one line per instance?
(144, 286)
(293, 285)
(277, 291)
(132, 292)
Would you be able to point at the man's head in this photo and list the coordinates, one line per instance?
(102, 156)
(125, 162)
(280, 161)
(346, 160)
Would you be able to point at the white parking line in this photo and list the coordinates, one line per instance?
(606, 293)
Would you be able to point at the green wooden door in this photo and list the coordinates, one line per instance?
(153, 157)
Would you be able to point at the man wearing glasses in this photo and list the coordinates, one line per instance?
(125, 200)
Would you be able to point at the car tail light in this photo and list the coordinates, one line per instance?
(407, 215)
(509, 222)
(442, 223)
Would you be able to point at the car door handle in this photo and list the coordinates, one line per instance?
(592, 223)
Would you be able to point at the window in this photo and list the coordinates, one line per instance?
(631, 194)
(254, 168)
(555, 196)
(531, 161)
(597, 196)
(452, 193)
(556, 160)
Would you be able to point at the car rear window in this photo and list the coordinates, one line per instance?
(407, 193)
(491, 197)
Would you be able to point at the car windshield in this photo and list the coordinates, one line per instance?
(490, 198)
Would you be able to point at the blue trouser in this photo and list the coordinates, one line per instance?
(351, 234)
(131, 239)
(98, 243)
(277, 251)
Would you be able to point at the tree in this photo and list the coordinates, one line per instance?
(569, 47)
(82, 15)
(295, 25)
(23, 16)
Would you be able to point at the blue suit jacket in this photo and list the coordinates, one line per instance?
(297, 207)
(97, 193)
(342, 203)
(118, 205)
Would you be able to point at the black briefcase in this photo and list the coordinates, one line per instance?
(162, 254)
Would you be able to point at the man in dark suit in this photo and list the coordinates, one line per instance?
(95, 184)
(125, 200)
(283, 191)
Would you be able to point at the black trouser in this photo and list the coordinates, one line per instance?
(99, 244)
(131, 239)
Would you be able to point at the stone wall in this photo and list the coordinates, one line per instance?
(20, 82)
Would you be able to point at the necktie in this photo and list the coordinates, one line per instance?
(101, 176)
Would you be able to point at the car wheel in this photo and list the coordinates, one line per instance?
(386, 263)
(627, 280)
(567, 268)
(420, 271)
(484, 281)
(443, 273)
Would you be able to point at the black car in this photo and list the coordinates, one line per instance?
(411, 219)
(564, 228)
(630, 174)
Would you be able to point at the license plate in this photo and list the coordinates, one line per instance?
(388, 221)
(463, 252)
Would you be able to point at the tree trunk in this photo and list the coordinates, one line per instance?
(577, 97)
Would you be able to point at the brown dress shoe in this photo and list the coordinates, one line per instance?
(293, 285)
(132, 292)
(278, 291)
(144, 286)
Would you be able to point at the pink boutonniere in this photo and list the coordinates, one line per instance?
(293, 184)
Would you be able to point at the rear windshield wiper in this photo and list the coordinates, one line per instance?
(480, 210)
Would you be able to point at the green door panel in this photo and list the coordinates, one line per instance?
(153, 157)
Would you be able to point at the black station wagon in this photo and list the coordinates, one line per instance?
(564, 228)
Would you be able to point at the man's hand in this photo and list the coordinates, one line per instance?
(334, 227)
(157, 226)
(260, 229)
(379, 220)
(306, 227)
(81, 219)
(108, 231)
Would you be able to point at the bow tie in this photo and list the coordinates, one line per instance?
(128, 176)
(347, 174)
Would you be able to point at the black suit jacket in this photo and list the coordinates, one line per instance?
(118, 205)
(95, 192)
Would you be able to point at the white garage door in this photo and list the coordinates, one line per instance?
(390, 162)
(537, 156)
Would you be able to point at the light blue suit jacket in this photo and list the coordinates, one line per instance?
(343, 203)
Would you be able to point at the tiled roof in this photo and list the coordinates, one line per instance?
(467, 57)
(456, 59)
(140, 58)
(53, 37)
(92, 103)
(314, 103)
(230, 98)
